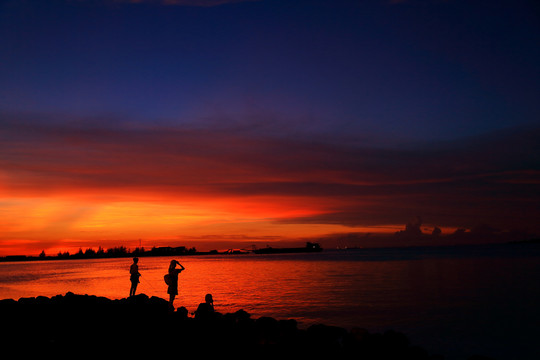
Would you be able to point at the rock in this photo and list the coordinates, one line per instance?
(81, 324)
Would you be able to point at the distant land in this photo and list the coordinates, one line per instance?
(414, 234)
(122, 251)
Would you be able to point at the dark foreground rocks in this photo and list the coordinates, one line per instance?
(83, 325)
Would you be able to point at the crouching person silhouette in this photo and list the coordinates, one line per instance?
(205, 310)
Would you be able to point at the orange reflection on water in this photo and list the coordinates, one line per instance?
(286, 287)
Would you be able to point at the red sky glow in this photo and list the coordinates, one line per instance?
(227, 123)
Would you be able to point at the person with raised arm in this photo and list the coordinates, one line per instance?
(172, 281)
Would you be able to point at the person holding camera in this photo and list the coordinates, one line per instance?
(173, 281)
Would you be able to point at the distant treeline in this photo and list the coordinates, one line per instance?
(122, 251)
(115, 252)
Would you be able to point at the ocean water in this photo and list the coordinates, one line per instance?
(455, 301)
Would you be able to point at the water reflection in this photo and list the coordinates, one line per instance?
(285, 287)
(433, 300)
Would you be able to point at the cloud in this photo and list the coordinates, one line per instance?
(490, 179)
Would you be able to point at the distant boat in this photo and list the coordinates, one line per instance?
(310, 247)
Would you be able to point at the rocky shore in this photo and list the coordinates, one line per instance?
(92, 326)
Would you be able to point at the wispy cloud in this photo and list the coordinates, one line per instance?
(78, 179)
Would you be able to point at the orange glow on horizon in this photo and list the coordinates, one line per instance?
(59, 224)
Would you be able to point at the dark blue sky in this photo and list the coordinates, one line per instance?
(388, 69)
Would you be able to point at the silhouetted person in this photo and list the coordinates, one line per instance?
(134, 271)
(182, 313)
(205, 309)
(173, 281)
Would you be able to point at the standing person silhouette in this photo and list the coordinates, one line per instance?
(173, 281)
(135, 274)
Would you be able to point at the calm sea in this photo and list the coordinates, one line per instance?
(456, 301)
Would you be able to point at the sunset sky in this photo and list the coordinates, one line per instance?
(217, 124)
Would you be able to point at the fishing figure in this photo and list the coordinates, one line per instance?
(135, 275)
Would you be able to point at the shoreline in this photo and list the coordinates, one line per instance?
(183, 252)
(166, 251)
(72, 323)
